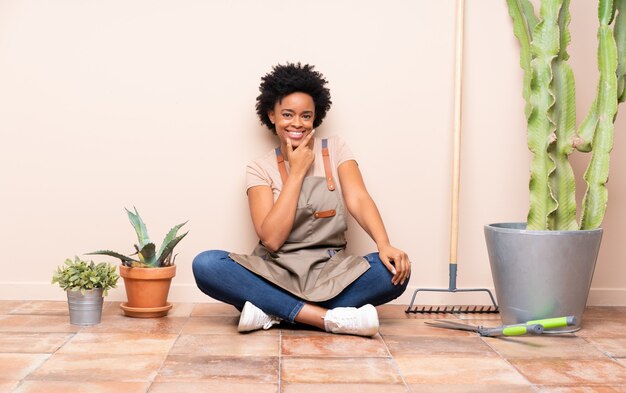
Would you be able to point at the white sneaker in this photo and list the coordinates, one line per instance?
(253, 318)
(350, 320)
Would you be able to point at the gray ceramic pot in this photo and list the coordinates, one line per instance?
(541, 274)
(85, 309)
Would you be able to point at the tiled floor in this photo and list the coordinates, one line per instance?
(197, 349)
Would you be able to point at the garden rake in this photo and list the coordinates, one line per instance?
(454, 224)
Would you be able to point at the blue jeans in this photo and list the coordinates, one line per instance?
(224, 279)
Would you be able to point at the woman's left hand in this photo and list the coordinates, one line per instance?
(402, 268)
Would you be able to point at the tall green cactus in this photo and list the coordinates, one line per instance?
(549, 92)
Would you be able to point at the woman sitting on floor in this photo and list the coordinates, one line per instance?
(298, 195)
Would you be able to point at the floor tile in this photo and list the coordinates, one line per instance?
(213, 325)
(32, 342)
(417, 327)
(197, 348)
(543, 346)
(571, 371)
(82, 387)
(480, 317)
(398, 311)
(339, 370)
(119, 343)
(343, 388)
(466, 388)
(7, 386)
(40, 307)
(181, 310)
(6, 306)
(438, 346)
(613, 347)
(581, 389)
(18, 365)
(123, 324)
(226, 345)
(393, 311)
(212, 387)
(608, 328)
(37, 323)
(333, 346)
(602, 312)
(111, 308)
(220, 325)
(98, 367)
(177, 310)
(458, 370)
(481, 320)
(214, 310)
(300, 330)
(190, 368)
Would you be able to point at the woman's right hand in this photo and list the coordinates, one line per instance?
(300, 159)
(273, 221)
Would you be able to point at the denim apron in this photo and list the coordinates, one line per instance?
(312, 263)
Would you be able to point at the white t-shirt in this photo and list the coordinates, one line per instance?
(263, 171)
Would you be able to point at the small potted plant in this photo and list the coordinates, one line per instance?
(544, 267)
(86, 284)
(147, 273)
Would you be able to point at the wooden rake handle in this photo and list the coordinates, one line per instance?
(458, 101)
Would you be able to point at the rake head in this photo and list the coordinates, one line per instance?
(491, 309)
(453, 310)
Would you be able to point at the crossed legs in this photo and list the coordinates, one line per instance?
(223, 279)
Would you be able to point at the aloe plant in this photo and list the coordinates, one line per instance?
(146, 254)
(549, 91)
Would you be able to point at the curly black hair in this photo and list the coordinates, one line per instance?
(292, 78)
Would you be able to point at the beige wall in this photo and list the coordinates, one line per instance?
(106, 104)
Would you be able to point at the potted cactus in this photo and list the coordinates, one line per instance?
(544, 267)
(86, 284)
(147, 273)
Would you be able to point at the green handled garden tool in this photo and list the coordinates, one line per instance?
(531, 327)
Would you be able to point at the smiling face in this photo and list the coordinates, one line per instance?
(293, 117)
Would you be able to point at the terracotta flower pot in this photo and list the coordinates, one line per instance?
(147, 290)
